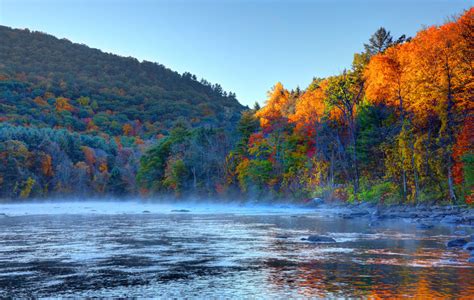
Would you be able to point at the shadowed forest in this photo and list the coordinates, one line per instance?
(395, 127)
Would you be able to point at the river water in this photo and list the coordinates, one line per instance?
(148, 250)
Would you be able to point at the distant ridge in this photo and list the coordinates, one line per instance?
(51, 82)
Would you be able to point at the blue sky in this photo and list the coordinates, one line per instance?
(246, 46)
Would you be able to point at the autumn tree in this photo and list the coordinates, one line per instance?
(344, 92)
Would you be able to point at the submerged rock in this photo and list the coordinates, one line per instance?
(146, 211)
(456, 243)
(320, 239)
(180, 210)
(469, 246)
(282, 236)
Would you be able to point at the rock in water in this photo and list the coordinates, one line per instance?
(320, 239)
(424, 226)
(180, 210)
(469, 246)
(452, 220)
(317, 201)
(456, 243)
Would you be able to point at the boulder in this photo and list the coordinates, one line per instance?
(316, 201)
(469, 246)
(355, 214)
(450, 219)
(456, 243)
(424, 226)
(320, 239)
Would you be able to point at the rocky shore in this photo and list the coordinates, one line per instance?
(425, 215)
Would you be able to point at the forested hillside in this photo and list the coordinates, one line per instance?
(397, 127)
(75, 120)
(50, 82)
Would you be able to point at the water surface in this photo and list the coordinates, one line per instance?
(120, 249)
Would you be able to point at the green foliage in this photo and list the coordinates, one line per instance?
(468, 169)
(152, 165)
(377, 126)
(187, 161)
(379, 192)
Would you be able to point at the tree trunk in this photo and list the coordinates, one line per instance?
(354, 159)
(404, 173)
(449, 131)
(415, 173)
(452, 195)
(194, 178)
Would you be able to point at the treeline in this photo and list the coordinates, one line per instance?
(396, 127)
(44, 162)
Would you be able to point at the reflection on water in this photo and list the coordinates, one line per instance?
(225, 255)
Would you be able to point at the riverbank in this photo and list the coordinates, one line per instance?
(425, 215)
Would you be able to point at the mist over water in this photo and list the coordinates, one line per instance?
(138, 206)
(133, 248)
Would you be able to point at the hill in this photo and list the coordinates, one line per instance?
(75, 120)
(51, 82)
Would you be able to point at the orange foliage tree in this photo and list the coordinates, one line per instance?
(63, 104)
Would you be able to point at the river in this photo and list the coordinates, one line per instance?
(115, 249)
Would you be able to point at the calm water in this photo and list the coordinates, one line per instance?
(119, 250)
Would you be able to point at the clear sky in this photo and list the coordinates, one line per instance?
(246, 46)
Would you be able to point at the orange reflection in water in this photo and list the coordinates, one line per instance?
(374, 281)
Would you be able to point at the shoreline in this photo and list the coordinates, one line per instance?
(424, 214)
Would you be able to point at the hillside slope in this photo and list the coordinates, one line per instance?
(51, 82)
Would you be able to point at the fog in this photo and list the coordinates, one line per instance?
(140, 205)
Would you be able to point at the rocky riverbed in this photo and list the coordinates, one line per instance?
(425, 217)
